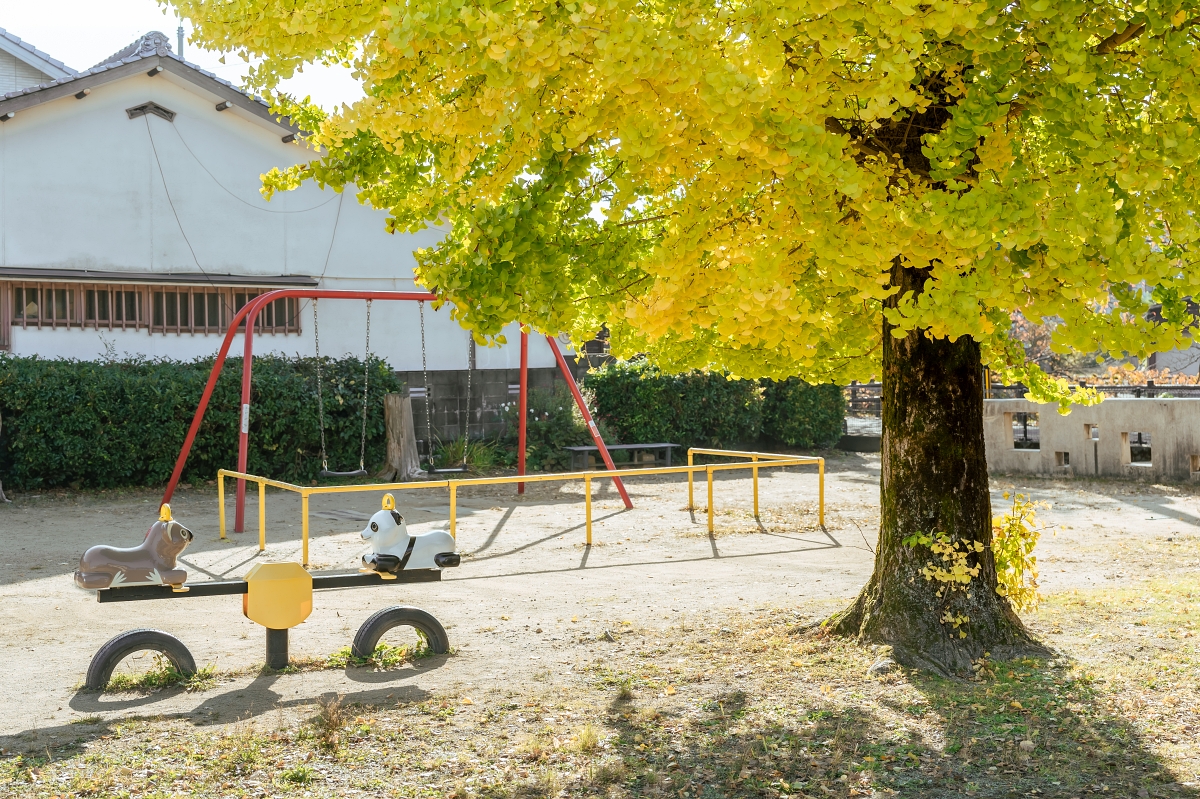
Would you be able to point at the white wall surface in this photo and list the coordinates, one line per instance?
(81, 188)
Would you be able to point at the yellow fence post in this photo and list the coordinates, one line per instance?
(754, 462)
(821, 491)
(262, 516)
(691, 504)
(587, 492)
(221, 501)
(709, 472)
(304, 528)
(754, 470)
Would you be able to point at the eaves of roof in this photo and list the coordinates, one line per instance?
(26, 52)
(174, 278)
(22, 99)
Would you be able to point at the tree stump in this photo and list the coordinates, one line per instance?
(403, 462)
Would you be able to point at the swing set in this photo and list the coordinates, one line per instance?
(244, 321)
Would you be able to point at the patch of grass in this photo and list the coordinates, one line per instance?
(330, 720)
(163, 675)
(478, 456)
(385, 656)
(87, 720)
(298, 775)
(587, 739)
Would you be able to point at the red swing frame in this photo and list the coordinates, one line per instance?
(247, 316)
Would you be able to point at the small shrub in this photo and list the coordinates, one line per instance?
(553, 422)
(1014, 536)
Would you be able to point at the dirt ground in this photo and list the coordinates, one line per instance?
(528, 589)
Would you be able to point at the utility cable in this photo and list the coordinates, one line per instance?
(234, 196)
(171, 202)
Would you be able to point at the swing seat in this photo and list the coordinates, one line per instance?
(355, 473)
(448, 470)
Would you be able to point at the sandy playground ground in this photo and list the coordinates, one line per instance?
(528, 593)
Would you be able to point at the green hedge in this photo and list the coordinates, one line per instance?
(104, 425)
(643, 405)
(796, 414)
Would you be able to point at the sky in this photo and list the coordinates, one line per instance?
(80, 33)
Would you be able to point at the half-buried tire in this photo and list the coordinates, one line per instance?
(375, 627)
(125, 644)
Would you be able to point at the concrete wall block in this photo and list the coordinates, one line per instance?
(1100, 440)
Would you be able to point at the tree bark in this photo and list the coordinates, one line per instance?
(403, 462)
(934, 480)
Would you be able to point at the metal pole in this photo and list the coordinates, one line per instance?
(198, 416)
(249, 313)
(454, 511)
(277, 649)
(587, 493)
(523, 409)
(304, 528)
(821, 492)
(709, 472)
(754, 470)
(221, 501)
(587, 417)
(262, 515)
(691, 503)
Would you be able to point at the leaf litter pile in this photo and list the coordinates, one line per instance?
(717, 706)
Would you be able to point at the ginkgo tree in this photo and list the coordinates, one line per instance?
(834, 189)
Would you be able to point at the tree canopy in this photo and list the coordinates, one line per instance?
(728, 184)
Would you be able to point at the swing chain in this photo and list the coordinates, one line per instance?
(362, 447)
(467, 421)
(320, 397)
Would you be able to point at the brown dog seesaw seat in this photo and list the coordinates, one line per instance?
(276, 595)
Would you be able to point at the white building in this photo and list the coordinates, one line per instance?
(131, 223)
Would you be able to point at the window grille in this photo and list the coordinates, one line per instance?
(160, 309)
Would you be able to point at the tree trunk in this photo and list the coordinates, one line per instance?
(934, 480)
(403, 462)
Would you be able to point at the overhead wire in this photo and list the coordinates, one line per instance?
(234, 196)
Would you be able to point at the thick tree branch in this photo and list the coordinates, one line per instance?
(1118, 38)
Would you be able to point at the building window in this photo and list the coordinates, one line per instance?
(113, 307)
(45, 306)
(280, 316)
(157, 308)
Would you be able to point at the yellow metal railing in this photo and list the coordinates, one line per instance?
(754, 464)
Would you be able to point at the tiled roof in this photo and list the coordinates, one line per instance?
(152, 44)
(23, 45)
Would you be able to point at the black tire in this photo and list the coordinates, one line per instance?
(374, 628)
(125, 644)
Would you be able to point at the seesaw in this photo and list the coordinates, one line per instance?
(277, 596)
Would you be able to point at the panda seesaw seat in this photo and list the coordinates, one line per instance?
(276, 595)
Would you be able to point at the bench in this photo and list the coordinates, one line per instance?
(662, 452)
